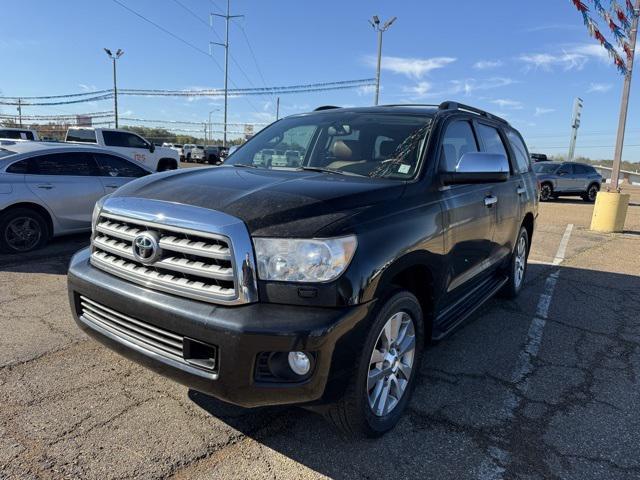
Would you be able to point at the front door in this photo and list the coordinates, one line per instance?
(470, 210)
(115, 171)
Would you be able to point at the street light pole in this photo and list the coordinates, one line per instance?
(113, 58)
(375, 23)
(210, 128)
(227, 18)
(626, 90)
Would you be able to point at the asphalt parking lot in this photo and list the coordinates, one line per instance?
(545, 386)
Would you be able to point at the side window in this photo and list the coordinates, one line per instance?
(73, 164)
(21, 166)
(457, 140)
(112, 166)
(491, 141)
(520, 151)
(123, 139)
(566, 169)
(583, 169)
(281, 149)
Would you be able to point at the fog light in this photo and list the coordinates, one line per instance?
(299, 363)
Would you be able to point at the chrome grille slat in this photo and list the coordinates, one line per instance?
(125, 328)
(189, 264)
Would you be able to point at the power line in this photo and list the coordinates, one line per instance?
(194, 14)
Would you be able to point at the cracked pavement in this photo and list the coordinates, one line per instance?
(72, 409)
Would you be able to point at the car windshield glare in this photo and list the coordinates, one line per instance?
(375, 145)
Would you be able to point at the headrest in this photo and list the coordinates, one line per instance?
(388, 148)
(345, 149)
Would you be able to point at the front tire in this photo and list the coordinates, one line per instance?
(382, 384)
(546, 192)
(517, 266)
(22, 230)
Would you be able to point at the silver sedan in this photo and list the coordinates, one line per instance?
(49, 189)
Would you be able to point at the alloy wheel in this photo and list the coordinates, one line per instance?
(520, 261)
(391, 364)
(22, 234)
(545, 193)
(592, 193)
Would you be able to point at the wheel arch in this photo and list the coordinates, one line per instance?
(172, 163)
(38, 208)
(529, 224)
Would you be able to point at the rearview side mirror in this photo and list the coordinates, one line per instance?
(152, 147)
(478, 167)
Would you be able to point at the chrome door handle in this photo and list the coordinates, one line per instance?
(490, 200)
(521, 190)
(45, 186)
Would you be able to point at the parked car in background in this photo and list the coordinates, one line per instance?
(187, 151)
(197, 154)
(318, 284)
(127, 143)
(214, 154)
(18, 133)
(559, 179)
(49, 189)
(539, 157)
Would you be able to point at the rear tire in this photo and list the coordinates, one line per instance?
(381, 385)
(22, 230)
(517, 266)
(591, 193)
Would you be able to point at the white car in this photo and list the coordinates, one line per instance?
(187, 151)
(129, 144)
(18, 133)
(49, 189)
(175, 147)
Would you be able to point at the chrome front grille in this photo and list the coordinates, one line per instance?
(158, 340)
(190, 263)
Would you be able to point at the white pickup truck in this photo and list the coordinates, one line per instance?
(129, 144)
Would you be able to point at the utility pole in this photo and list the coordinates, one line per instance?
(227, 18)
(626, 90)
(278, 108)
(20, 111)
(113, 58)
(575, 124)
(375, 23)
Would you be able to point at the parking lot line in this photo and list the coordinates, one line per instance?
(493, 468)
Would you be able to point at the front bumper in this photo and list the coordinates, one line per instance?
(240, 333)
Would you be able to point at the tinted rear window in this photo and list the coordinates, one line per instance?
(16, 134)
(87, 136)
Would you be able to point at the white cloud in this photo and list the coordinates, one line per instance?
(412, 67)
(569, 57)
(487, 64)
(506, 103)
(366, 90)
(457, 87)
(599, 88)
(87, 88)
(543, 111)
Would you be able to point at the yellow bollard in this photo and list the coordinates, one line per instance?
(610, 212)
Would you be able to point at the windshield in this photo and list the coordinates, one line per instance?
(362, 144)
(545, 167)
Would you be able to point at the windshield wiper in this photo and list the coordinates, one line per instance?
(244, 165)
(325, 170)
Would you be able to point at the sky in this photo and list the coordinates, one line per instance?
(525, 61)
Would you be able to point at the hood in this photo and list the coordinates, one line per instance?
(270, 202)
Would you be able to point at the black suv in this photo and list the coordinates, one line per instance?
(314, 280)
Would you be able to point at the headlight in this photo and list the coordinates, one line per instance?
(97, 208)
(293, 260)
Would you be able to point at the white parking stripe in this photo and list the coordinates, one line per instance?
(493, 468)
(563, 245)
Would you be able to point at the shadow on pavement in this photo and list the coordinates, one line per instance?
(53, 258)
(580, 390)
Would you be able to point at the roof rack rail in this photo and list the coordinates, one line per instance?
(449, 105)
(325, 107)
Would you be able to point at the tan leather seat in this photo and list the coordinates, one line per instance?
(347, 152)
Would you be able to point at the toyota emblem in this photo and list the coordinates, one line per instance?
(146, 248)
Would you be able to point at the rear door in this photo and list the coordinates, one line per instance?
(68, 184)
(115, 171)
(471, 216)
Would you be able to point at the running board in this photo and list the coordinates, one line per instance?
(450, 318)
